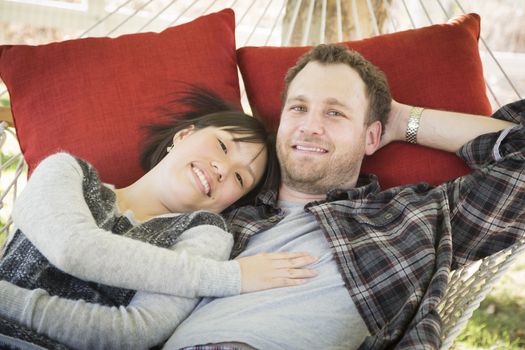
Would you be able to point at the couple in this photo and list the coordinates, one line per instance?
(377, 262)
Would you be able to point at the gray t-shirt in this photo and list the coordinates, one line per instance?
(317, 314)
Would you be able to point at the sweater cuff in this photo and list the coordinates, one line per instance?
(222, 279)
(16, 301)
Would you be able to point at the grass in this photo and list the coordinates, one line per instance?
(499, 323)
(7, 176)
(2, 237)
(4, 158)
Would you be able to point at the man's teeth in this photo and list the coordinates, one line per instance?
(202, 179)
(310, 149)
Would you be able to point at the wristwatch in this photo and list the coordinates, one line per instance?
(413, 124)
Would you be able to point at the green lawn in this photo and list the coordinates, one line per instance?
(499, 323)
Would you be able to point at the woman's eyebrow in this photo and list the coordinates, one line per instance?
(237, 144)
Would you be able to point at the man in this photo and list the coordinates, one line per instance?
(384, 257)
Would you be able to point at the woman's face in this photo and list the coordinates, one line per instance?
(208, 170)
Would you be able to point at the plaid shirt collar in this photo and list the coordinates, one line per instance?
(367, 184)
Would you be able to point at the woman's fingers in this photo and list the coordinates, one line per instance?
(294, 262)
(284, 255)
(295, 273)
(285, 260)
(271, 270)
(287, 282)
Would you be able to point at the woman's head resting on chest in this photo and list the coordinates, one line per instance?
(208, 158)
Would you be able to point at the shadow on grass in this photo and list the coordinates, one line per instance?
(499, 323)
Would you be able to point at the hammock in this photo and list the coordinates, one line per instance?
(289, 23)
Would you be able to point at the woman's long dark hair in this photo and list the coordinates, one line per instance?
(204, 108)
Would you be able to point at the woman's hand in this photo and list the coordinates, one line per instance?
(272, 270)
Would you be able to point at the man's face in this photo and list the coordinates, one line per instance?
(322, 136)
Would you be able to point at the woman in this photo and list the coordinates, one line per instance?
(206, 159)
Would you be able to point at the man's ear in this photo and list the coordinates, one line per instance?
(182, 134)
(373, 137)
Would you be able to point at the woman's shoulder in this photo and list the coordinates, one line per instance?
(61, 168)
(65, 163)
(60, 164)
(59, 160)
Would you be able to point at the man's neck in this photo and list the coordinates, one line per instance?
(289, 194)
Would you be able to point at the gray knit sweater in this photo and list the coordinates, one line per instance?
(24, 265)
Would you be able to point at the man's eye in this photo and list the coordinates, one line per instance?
(335, 114)
(223, 146)
(239, 178)
(298, 108)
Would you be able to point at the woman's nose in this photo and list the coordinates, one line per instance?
(220, 169)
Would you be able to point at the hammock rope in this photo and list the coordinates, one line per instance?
(266, 14)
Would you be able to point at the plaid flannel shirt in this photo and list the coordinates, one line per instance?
(395, 248)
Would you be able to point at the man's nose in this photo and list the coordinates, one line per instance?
(313, 123)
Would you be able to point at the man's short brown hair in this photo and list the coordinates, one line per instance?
(377, 89)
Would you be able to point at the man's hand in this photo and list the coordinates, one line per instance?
(395, 127)
(272, 270)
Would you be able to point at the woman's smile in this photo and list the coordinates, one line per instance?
(202, 179)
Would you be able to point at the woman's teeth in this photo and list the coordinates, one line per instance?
(202, 179)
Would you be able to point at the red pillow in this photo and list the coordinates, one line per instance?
(91, 96)
(437, 66)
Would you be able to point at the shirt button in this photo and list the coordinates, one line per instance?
(274, 218)
(388, 216)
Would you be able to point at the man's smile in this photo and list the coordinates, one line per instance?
(309, 148)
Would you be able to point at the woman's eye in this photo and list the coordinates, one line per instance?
(298, 108)
(223, 146)
(239, 178)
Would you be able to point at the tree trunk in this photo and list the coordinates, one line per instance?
(351, 30)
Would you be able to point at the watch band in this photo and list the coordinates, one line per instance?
(413, 124)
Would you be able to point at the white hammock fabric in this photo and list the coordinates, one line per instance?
(261, 23)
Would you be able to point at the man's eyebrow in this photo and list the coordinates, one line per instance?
(299, 98)
(336, 102)
(330, 101)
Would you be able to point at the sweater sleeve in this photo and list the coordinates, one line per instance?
(52, 213)
(147, 321)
